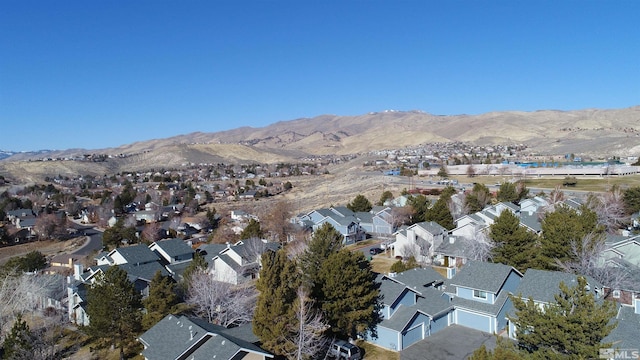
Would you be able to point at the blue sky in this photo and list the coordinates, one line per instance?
(97, 74)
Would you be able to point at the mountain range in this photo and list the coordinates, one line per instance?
(593, 132)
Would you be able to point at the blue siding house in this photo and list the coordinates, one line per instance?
(480, 295)
(413, 308)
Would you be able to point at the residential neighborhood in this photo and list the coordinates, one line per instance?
(440, 278)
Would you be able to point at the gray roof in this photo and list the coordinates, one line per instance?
(431, 303)
(400, 318)
(531, 221)
(482, 276)
(136, 254)
(143, 271)
(174, 336)
(431, 227)
(511, 206)
(390, 290)
(174, 247)
(365, 217)
(543, 285)
(417, 278)
(627, 334)
(456, 249)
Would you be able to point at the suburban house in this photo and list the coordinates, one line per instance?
(62, 264)
(480, 292)
(419, 240)
(239, 262)
(168, 257)
(341, 218)
(412, 308)
(451, 254)
(378, 221)
(174, 254)
(180, 337)
(14, 216)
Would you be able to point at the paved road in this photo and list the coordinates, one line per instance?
(93, 242)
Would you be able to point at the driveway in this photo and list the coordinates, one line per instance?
(454, 342)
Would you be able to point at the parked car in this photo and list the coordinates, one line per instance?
(341, 349)
(375, 251)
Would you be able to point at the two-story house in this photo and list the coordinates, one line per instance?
(419, 240)
(341, 218)
(239, 262)
(480, 295)
(413, 308)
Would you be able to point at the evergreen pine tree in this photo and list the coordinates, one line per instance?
(572, 326)
(514, 245)
(386, 195)
(114, 307)
(478, 198)
(440, 214)
(278, 283)
(360, 204)
(253, 230)
(561, 229)
(420, 205)
(326, 240)
(18, 341)
(350, 297)
(162, 300)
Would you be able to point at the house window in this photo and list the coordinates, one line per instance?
(480, 294)
(616, 294)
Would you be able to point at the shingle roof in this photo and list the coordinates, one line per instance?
(431, 227)
(174, 247)
(390, 290)
(542, 285)
(531, 221)
(136, 254)
(400, 318)
(457, 248)
(174, 336)
(627, 334)
(417, 278)
(431, 303)
(482, 276)
(144, 271)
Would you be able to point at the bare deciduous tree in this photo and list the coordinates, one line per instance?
(610, 209)
(401, 215)
(221, 302)
(478, 247)
(277, 221)
(409, 251)
(151, 232)
(587, 253)
(308, 334)
(297, 248)
(20, 294)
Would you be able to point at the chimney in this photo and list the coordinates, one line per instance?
(77, 271)
(452, 239)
